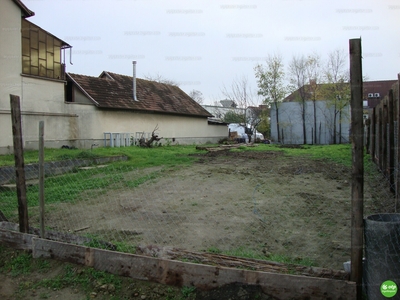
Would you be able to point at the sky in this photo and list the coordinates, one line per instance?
(207, 45)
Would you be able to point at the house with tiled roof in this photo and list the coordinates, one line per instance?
(125, 104)
(78, 110)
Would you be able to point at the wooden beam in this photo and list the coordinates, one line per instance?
(203, 277)
(19, 163)
(357, 132)
(16, 240)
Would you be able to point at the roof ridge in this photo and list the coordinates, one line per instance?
(83, 75)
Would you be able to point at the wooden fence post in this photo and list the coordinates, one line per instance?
(390, 160)
(373, 134)
(357, 132)
(384, 154)
(397, 206)
(19, 163)
(41, 178)
(380, 138)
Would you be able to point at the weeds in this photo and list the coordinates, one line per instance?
(19, 265)
(187, 291)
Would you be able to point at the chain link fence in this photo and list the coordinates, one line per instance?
(250, 205)
(257, 205)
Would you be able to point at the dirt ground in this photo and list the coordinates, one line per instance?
(259, 202)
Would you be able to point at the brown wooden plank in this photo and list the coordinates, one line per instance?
(203, 277)
(16, 240)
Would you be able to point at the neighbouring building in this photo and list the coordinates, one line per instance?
(332, 117)
(33, 67)
(219, 111)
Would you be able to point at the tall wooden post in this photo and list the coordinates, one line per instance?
(373, 134)
(357, 190)
(390, 160)
(41, 178)
(19, 163)
(397, 105)
(384, 154)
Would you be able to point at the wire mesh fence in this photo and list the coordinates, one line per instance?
(251, 204)
(381, 232)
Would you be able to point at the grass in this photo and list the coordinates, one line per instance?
(19, 265)
(140, 157)
(83, 279)
(340, 154)
(22, 263)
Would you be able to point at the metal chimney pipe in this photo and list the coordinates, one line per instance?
(134, 81)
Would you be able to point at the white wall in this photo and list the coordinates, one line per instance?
(291, 123)
(10, 64)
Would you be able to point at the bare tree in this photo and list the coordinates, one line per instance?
(314, 76)
(241, 94)
(270, 81)
(161, 79)
(196, 96)
(337, 89)
(298, 81)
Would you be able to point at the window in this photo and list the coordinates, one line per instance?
(41, 52)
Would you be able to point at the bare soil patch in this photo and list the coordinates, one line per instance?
(254, 201)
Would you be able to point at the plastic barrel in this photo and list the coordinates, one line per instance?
(382, 253)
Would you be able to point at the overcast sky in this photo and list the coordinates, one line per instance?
(207, 44)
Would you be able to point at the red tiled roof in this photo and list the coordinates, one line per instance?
(26, 12)
(114, 91)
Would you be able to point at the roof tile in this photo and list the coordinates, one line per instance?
(115, 91)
